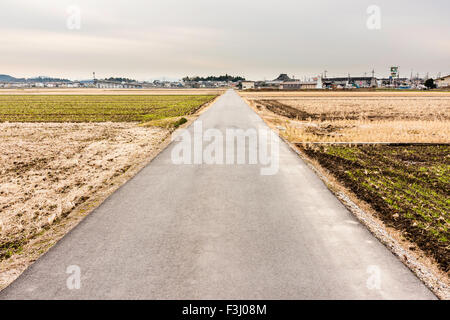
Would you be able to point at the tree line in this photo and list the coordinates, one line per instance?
(225, 77)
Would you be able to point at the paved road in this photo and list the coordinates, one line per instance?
(221, 232)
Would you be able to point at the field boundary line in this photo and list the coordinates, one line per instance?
(394, 144)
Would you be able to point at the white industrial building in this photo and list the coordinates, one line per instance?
(106, 84)
(245, 85)
(443, 82)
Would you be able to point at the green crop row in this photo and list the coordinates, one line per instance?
(407, 185)
(97, 108)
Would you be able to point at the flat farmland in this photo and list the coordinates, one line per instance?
(359, 117)
(408, 186)
(96, 91)
(62, 155)
(97, 108)
(404, 180)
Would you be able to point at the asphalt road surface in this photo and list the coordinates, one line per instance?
(220, 231)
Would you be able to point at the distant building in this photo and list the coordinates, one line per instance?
(106, 84)
(298, 85)
(346, 82)
(393, 82)
(291, 85)
(283, 78)
(310, 85)
(245, 85)
(443, 82)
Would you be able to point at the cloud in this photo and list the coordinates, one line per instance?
(143, 39)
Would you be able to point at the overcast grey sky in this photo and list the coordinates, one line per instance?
(256, 39)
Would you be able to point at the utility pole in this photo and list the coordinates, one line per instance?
(325, 73)
(373, 73)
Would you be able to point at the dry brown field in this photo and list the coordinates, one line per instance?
(357, 116)
(54, 171)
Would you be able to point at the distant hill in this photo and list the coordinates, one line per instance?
(8, 78)
(46, 79)
(120, 79)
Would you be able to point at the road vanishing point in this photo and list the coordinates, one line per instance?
(221, 232)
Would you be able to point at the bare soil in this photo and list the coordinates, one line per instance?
(408, 187)
(47, 170)
(54, 174)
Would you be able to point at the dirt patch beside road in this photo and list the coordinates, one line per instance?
(50, 170)
(283, 109)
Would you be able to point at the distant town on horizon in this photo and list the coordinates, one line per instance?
(282, 82)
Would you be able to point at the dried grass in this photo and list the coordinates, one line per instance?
(360, 116)
(330, 94)
(417, 108)
(408, 131)
(49, 169)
